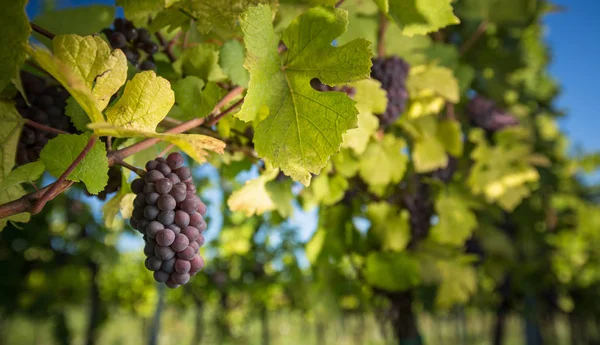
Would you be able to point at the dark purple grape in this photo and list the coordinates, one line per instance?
(184, 173)
(151, 165)
(196, 246)
(142, 224)
(151, 212)
(143, 35)
(171, 284)
(195, 220)
(166, 202)
(196, 264)
(164, 253)
(164, 169)
(149, 188)
(160, 160)
(149, 247)
(186, 254)
(191, 232)
(189, 205)
(134, 223)
(182, 219)
(130, 33)
(139, 201)
(201, 208)
(118, 40)
(202, 226)
(485, 114)
(164, 186)
(151, 48)
(200, 240)
(147, 66)
(180, 278)
(180, 243)
(175, 160)
(27, 136)
(166, 217)
(392, 72)
(174, 178)
(161, 276)
(137, 186)
(165, 237)
(153, 228)
(174, 227)
(119, 24)
(153, 176)
(138, 213)
(153, 263)
(152, 198)
(168, 265)
(182, 266)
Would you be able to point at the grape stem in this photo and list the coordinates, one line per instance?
(42, 31)
(167, 47)
(383, 24)
(138, 171)
(339, 3)
(474, 37)
(218, 117)
(44, 127)
(27, 202)
(55, 188)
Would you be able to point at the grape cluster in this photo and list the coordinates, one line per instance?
(317, 85)
(392, 73)
(421, 209)
(485, 114)
(170, 216)
(47, 108)
(114, 182)
(135, 43)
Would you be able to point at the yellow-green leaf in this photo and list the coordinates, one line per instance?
(253, 197)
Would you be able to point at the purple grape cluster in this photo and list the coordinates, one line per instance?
(47, 108)
(392, 73)
(132, 41)
(421, 209)
(485, 114)
(317, 85)
(170, 216)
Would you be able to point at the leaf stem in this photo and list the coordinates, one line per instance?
(218, 117)
(34, 124)
(42, 31)
(474, 37)
(383, 24)
(54, 190)
(339, 3)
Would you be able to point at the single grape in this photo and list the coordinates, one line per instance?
(182, 219)
(138, 213)
(180, 278)
(195, 245)
(182, 266)
(166, 202)
(147, 66)
(195, 220)
(184, 173)
(180, 243)
(196, 264)
(143, 35)
(119, 24)
(142, 224)
(137, 186)
(200, 240)
(151, 48)
(165, 237)
(168, 265)
(153, 228)
(163, 168)
(174, 178)
(164, 186)
(166, 217)
(191, 232)
(171, 284)
(178, 192)
(160, 160)
(118, 40)
(164, 253)
(153, 176)
(161, 276)
(175, 160)
(152, 198)
(201, 208)
(130, 33)
(151, 165)
(134, 223)
(202, 226)
(153, 263)
(189, 205)
(174, 228)
(151, 212)
(186, 254)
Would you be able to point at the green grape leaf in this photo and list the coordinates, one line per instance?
(73, 83)
(392, 271)
(61, 151)
(428, 155)
(383, 162)
(138, 11)
(231, 60)
(201, 61)
(345, 163)
(83, 20)
(300, 128)
(91, 59)
(10, 131)
(454, 291)
(13, 41)
(499, 12)
(24, 173)
(253, 198)
(430, 78)
(456, 220)
(237, 240)
(314, 246)
(171, 18)
(77, 115)
(146, 100)
(501, 172)
(451, 137)
(364, 19)
(121, 201)
(196, 99)
(10, 194)
(282, 196)
(390, 224)
(419, 17)
(217, 14)
(370, 99)
(325, 189)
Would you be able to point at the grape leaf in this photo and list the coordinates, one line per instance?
(61, 151)
(451, 137)
(201, 61)
(390, 224)
(453, 291)
(419, 17)
(253, 197)
(325, 189)
(218, 14)
(500, 12)
(370, 99)
(10, 131)
(13, 41)
(196, 99)
(82, 20)
(72, 83)
(438, 79)
(300, 127)
(428, 155)
(146, 100)
(345, 163)
(231, 60)
(392, 271)
(24, 173)
(383, 161)
(77, 115)
(138, 11)
(456, 221)
(281, 194)
(90, 58)
(171, 18)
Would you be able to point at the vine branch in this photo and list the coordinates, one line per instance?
(383, 24)
(55, 188)
(42, 31)
(28, 202)
(218, 117)
(44, 127)
(167, 47)
(474, 37)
